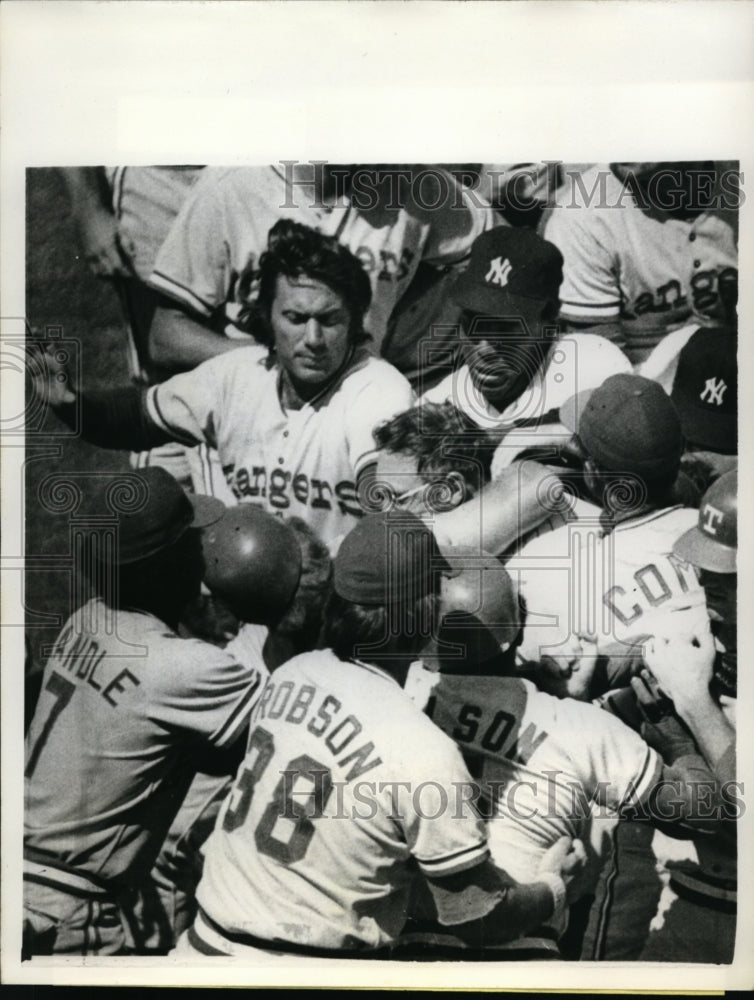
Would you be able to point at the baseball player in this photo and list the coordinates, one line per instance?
(691, 915)
(316, 846)
(613, 581)
(126, 713)
(643, 250)
(274, 576)
(547, 767)
(517, 369)
(382, 214)
(292, 423)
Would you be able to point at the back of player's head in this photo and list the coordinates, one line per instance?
(443, 440)
(304, 615)
(481, 616)
(631, 431)
(295, 250)
(386, 589)
(153, 561)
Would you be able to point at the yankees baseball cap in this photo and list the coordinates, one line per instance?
(628, 424)
(152, 511)
(705, 390)
(712, 544)
(511, 272)
(388, 558)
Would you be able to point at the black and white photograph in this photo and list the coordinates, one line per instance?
(370, 536)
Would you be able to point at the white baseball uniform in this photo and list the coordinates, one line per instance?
(548, 767)
(125, 706)
(345, 787)
(616, 589)
(290, 462)
(649, 269)
(211, 254)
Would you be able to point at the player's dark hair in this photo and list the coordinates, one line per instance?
(442, 439)
(304, 616)
(379, 634)
(296, 250)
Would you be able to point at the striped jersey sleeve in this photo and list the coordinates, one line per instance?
(444, 831)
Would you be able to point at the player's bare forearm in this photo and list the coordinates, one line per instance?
(178, 342)
(503, 511)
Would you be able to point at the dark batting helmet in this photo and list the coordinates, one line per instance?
(252, 560)
(713, 543)
(479, 607)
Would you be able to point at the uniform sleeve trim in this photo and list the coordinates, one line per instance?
(589, 309)
(238, 718)
(176, 290)
(156, 415)
(469, 857)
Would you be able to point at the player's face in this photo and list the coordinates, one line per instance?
(398, 485)
(570, 673)
(721, 592)
(503, 357)
(310, 323)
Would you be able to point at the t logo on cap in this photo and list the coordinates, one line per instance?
(498, 272)
(712, 517)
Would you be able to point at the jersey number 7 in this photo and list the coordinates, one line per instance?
(62, 689)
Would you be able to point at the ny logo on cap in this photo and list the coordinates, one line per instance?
(713, 391)
(712, 517)
(498, 272)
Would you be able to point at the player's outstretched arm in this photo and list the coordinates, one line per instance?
(178, 342)
(115, 418)
(507, 508)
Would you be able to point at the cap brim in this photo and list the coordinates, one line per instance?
(571, 411)
(480, 298)
(207, 510)
(696, 548)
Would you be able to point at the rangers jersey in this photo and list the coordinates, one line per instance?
(290, 462)
(345, 787)
(211, 255)
(615, 589)
(546, 767)
(125, 706)
(648, 268)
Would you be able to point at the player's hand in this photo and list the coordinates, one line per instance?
(682, 664)
(50, 381)
(107, 251)
(565, 858)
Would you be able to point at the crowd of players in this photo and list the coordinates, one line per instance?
(417, 635)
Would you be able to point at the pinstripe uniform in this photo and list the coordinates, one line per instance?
(125, 708)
